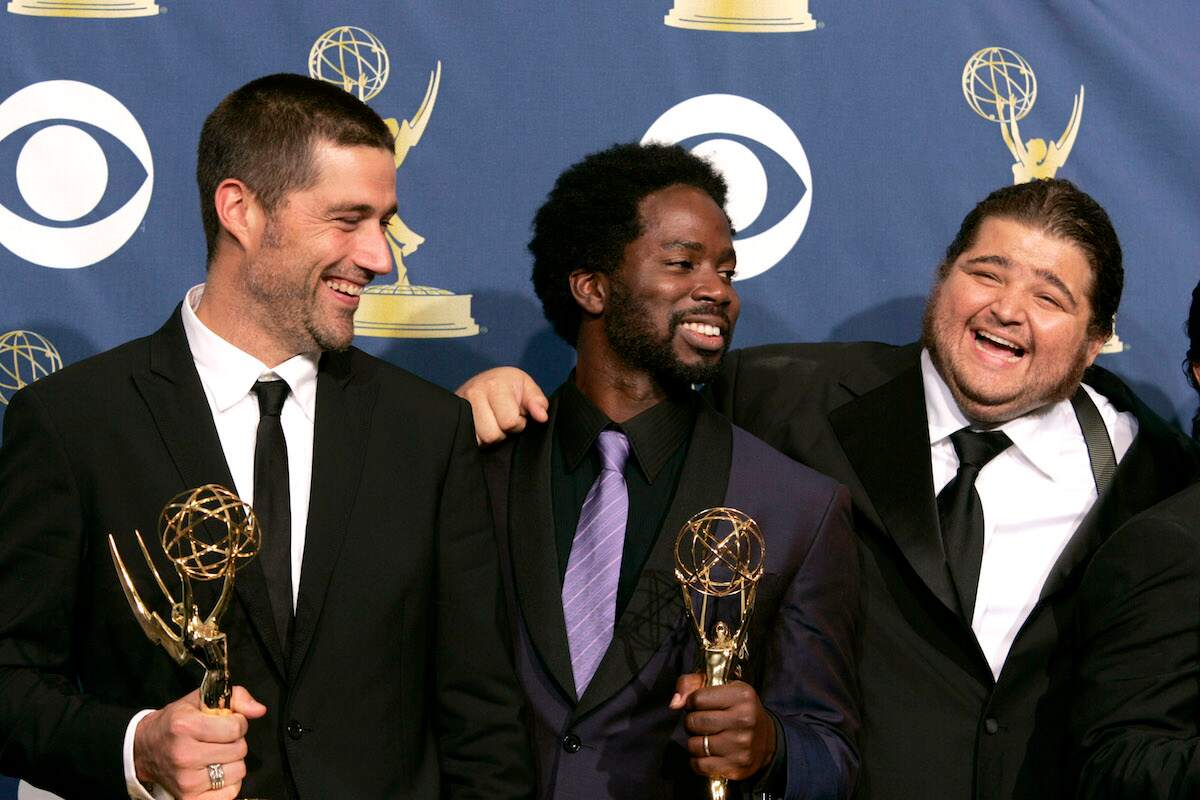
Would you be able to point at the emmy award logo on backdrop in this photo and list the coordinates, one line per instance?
(25, 356)
(720, 553)
(1000, 86)
(355, 60)
(742, 16)
(86, 9)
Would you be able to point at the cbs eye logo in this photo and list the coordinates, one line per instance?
(63, 177)
(743, 170)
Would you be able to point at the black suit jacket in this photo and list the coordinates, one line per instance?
(1137, 710)
(619, 740)
(935, 723)
(399, 682)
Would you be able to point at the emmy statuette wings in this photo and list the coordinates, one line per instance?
(188, 635)
(720, 553)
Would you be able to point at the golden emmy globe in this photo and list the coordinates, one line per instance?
(25, 356)
(355, 59)
(720, 553)
(183, 529)
(1000, 86)
(744, 16)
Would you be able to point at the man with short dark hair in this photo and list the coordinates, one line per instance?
(369, 631)
(633, 263)
(987, 462)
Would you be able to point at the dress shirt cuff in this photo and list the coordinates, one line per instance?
(771, 781)
(137, 790)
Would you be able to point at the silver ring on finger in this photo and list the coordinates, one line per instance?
(707, 752)
(216, 776)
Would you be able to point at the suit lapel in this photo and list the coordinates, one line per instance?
(340, 432)
(535, 551)
(172, 391)
(1141, 480)
(884, 434)
(655, 609)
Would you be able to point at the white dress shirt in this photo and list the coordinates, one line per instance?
(228, 376)
(1034, 495)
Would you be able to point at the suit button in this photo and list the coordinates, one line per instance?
(991, 725)
(294, 730)
(571, 743)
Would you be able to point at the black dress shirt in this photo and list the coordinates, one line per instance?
(658, 440)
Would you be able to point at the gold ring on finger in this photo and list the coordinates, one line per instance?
(216, 776)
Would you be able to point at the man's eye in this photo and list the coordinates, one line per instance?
(1051, 300)
(681, 264)
(728, 274)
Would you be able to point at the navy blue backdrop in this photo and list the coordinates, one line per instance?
(851, 146)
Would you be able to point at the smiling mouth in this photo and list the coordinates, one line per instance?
(345, 287)
(703, 336)
(999, 346)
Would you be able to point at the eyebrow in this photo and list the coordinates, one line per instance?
(360, 208)
(696, 247)
(1045, 274)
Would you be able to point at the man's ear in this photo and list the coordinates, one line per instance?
(239, 212)
(1095, 345)
(590, 290)
(1196, 371)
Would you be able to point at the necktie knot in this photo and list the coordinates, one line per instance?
(977, 448)
(613, 447)
(271, 395)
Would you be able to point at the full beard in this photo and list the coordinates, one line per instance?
(632, 339)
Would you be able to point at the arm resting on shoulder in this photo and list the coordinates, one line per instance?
(484, 745)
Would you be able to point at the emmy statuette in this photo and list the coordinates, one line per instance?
(188, 635)
(719, 553)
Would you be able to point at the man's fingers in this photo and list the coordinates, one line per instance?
(501, 399)
(728, 756)
(717, 697)
(684, 686)
(701, 723)
(196, 783)
(486, 430)
(509, 414)
(533, 401)
(212, 728)
(244, 703)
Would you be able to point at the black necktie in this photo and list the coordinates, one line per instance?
(961, 513)
(273, 503)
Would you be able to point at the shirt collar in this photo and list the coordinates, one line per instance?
(228, 373)
(1037, 435)
(654, 434)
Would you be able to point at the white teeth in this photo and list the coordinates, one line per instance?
(700, 327)
(998, 340)
(345, 287)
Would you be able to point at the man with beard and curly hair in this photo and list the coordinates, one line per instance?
(633, 261)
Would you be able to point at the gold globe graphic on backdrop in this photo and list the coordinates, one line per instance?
(996, 77)
(352, 58)
(198, 557)
(25, 356)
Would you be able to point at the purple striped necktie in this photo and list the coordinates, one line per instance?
(589, 593)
